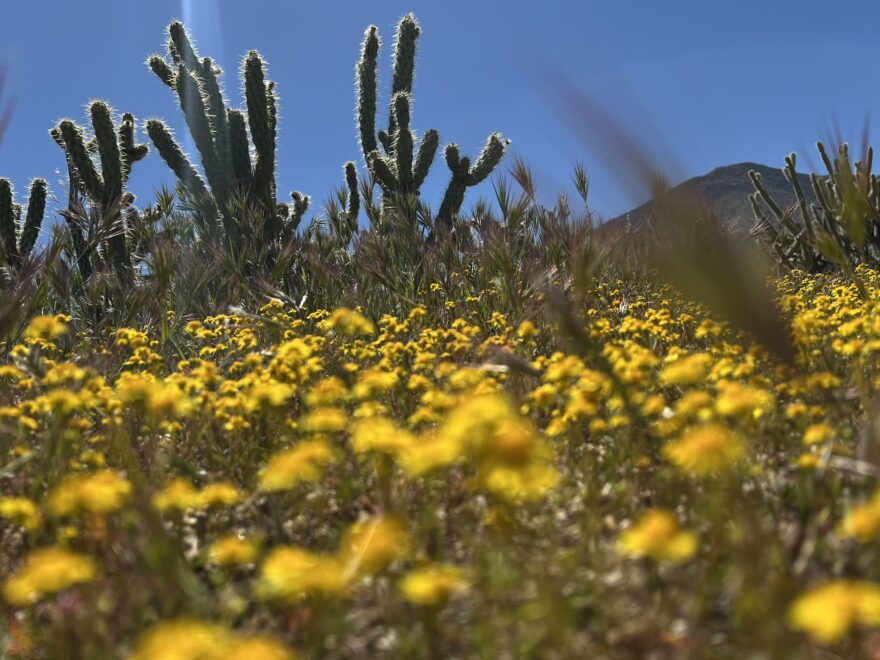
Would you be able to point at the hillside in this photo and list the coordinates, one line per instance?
(726, 190)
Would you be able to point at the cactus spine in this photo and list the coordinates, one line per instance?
(117, 152)
(18, 242)
(220, 135)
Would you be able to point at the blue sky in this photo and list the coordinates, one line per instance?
(715, 82)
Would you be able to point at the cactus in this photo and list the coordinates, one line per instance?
(19, 243)
(220, 135)
(397, 168)
(842, 229)
(464, 175)
(117, 152)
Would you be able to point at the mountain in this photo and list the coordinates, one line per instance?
(726, 191)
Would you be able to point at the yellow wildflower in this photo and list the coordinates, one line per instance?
(325, 420)
(370, 545)
(656, 534)
(379, 434)
(434, 584)
(706, 449)
(176, 496)
(47, 327)
(190, 639)
(21, 511)
(348, 322)
(100, 492)
(817, 433)
(828, 612)
(289, 573)
(217, 494)
(738, 400)
(302, 463)
(45, 572)
(233, 550)
(686, 370)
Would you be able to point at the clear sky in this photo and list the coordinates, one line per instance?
(717, 81)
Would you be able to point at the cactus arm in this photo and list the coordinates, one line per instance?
(453, 198)
(75, 147)
(424, 158)
(759, 188)
(259, 108)
(366, 91)
(181, 45)
(112, 170)
(403, 141)
(488, 159)
(383, 173)
(163, 72)
(192, 103)
(353, 199)
(452, 156)
(34, 219)
(108, 150)
(130, 152)
(239, 150)
(386, 141)
(404, 62)
(829, 167)
(819, 190)
(174, 157)
(217, 115)
(8, 225)
(298, 209)
(791, 174)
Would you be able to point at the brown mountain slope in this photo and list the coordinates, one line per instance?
(726, 190)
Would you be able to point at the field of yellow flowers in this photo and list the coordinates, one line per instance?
(450, 483)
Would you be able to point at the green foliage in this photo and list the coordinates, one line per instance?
(221, 136)
(18, 242)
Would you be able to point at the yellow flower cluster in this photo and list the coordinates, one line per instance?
(310, 473)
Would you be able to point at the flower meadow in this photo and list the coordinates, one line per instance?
(447, 483)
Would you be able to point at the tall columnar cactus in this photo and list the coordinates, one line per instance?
(842, 228)
(220, 135)
(18, 242)
(397, 168)
(116, 152)
(465, 175)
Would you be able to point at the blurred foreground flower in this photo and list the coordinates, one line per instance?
(45, 572)
(196, 640)
(706, 450)
(100, 493)
(433, 585)
(656, 534)
(828, 612)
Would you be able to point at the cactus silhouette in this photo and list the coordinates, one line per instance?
(397, 168)
(18, 242)
(220, 135)
(116, 152)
